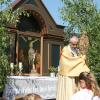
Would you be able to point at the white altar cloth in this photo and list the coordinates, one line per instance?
(44, 86)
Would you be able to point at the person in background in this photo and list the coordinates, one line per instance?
(71, 64)
(32, 96)
(89, 88)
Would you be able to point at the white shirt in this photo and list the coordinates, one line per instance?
(84, 94)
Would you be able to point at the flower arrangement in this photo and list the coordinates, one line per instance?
(53, 69)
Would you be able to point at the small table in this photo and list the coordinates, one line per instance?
(44, 86)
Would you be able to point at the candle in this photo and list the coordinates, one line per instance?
(12, 65)
(20, 65)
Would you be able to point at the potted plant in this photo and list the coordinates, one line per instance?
(53, 71)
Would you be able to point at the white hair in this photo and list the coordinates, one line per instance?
(73, 39)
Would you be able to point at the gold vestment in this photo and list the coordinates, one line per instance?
(71, 65)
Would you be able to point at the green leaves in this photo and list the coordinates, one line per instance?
(8, 17)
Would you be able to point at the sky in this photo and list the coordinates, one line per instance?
(53, 7)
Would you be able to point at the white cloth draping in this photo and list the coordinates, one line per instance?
(23, 85)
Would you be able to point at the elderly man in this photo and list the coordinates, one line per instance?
(72, 63)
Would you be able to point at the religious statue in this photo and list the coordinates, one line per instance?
(31, 54)
(33, 61)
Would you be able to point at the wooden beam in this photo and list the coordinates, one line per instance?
(48, 55)
(41, 64)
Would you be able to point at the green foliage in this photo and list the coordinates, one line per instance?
(4, 65)
(53, 69)
(7, 17)
(84, 16)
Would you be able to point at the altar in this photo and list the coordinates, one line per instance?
(44, 86)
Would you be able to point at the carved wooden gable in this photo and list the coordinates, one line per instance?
(40, 12)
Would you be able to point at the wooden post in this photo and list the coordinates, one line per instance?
(41, 64)
(17, 45)
(48, 55)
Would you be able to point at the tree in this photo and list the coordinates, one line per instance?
(83, 15)
(7, 16)
(4, 42)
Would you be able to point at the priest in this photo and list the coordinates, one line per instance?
(72, 63)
